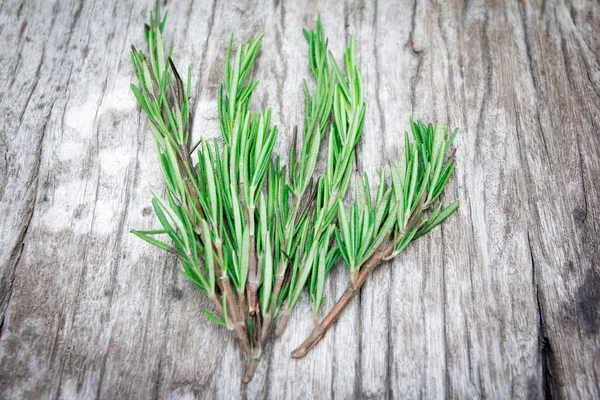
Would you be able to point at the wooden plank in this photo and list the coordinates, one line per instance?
(502, 301)
(560, 145)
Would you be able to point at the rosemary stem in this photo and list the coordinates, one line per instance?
(279, 277)
(257, 350)
(225, 286)
(250, 370)
(253, 278)
(268, 317)
(282, 323)
(264, 333)
(242, 303)
(217, 303)
(184, 160)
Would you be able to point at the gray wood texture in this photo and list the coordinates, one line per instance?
(503, 301)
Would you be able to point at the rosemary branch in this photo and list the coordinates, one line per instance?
(318, 110)
(317, 257)
(375, 232)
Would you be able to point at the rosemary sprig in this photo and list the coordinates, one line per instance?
(293, 200)
(208, 210)
(372, 233)
(317, 256)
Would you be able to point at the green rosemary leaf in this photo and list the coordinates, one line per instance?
(451, 140)
(160, 54)
(445, 175)
(140, 98)
(433, 222)
(145, 236)
(147, 79)
(164, 20)
(267, 276)
(407, 237)
(224, 308)
(438, 162)
(161, 216)
(214, 319)
(245, 262)
(382, 207)
(305, 272)
(321, 272)
(208, 253)
(210, 183)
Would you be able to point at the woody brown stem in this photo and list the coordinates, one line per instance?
(253, 278)
(268, 318)
(250, 370)
(217, 303)
(279, 277)
(242, 303)
(184, 160)
(257, 350)
(264, 332)
(281, 324)
(239, 328)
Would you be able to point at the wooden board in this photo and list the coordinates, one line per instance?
(502, 301)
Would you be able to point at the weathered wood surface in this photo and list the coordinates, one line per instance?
(502, 301)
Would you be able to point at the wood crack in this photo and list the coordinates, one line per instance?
(17, 251)
(486, 59)
(535, 83)
(583, 188)
(35, 83)
(6, 293)
(416, 53)
(546, 354)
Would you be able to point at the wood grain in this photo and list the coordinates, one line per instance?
(502, 301)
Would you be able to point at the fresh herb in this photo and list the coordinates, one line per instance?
(251, 233)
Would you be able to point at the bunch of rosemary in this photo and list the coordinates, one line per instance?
(253, 234)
